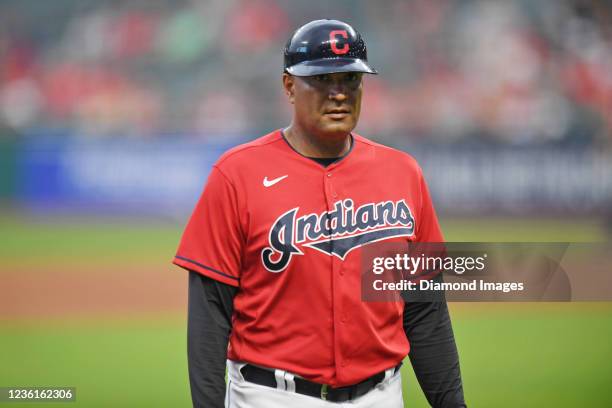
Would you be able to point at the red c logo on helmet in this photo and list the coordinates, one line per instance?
(333, 42)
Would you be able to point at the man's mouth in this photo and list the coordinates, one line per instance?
(338, 113)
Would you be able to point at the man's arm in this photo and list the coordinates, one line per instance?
(209, 325)
(433, 353)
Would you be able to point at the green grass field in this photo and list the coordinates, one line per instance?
(537, 357)
(527, 355)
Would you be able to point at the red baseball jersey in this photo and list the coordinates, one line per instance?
(288, 232)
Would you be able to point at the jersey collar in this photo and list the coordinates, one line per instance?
(340, 159)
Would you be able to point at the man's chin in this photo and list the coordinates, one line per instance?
(336, 130)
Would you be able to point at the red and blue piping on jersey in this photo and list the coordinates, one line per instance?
(336, 232)
(208, 268)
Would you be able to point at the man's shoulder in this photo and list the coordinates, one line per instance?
(388, 154)
(244, 153)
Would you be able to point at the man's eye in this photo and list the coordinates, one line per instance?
(322, 77)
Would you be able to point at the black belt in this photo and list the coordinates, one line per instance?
(266, 377)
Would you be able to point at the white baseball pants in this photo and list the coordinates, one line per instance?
(243, 394)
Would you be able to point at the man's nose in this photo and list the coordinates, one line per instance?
(338, 92)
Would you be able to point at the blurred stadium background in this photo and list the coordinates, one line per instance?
(112, 112)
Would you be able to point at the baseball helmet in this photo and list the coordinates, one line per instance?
(325, 47)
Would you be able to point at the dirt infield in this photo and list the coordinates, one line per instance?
(77, 291)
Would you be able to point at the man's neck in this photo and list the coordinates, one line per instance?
(317, 147)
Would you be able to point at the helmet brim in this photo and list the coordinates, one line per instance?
(330, 66)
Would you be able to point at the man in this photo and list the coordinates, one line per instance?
(273, 249)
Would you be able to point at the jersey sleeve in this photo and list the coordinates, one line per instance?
(212, 242)
(428, 227)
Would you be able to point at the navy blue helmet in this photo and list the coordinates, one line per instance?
(325, 47)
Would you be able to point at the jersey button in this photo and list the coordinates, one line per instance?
(329, 174)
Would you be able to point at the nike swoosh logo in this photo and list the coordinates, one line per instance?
(270, 183)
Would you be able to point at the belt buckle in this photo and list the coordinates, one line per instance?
(324, 392)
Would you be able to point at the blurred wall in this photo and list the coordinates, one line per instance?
(165, 177)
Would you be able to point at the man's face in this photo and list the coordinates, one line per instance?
(326, 105)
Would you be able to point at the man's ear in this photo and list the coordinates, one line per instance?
(289, 86)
